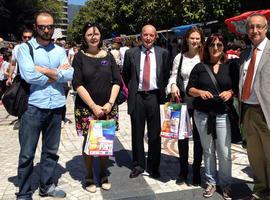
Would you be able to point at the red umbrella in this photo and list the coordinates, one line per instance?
(237, 24)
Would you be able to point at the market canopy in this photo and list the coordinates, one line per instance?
(237, 24)
(181, 30)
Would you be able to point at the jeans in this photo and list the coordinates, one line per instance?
(33, 122)
(221, 145)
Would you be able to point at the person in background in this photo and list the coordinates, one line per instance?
(10, 46)
(185, 61)
(123, 49)
(72, 51)
(45, 74)
(175, 48)
(146, 71)
(14, 68)
(4, 67)
(116, 53)
(254, 90)
(97, 81)
(211, 113)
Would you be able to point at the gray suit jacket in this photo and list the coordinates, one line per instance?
(261, 81)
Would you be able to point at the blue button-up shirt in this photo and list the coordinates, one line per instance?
(43, 94)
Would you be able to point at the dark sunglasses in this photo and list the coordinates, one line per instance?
(218, 45)
(43, 27)
(27, 37)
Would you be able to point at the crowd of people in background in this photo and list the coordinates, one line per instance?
(205, 74)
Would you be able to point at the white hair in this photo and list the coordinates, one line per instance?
(256, 15)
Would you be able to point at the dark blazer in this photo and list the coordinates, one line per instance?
(131, 73)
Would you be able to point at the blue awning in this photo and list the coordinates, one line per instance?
(181, 30)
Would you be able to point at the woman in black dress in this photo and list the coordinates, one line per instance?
(97, 81)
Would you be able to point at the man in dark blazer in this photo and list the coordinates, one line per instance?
(146, 71)
(254, 87)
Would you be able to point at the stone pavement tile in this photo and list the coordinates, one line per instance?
(122, 185)
(71, 172)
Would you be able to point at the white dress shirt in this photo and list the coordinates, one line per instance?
(253, 97)
(153, 69)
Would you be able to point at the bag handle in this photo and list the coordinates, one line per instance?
(179, 68)
(30, 50)
(179, 77)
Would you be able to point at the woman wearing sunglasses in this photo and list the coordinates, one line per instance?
(183, 63)
(97, 81)
(210, 112)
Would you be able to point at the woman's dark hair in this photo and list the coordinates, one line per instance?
(86, 26)
(209, 41)
(185, 47)
(6, 55)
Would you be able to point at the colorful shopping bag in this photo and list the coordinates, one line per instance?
(185, 130)
(100, 138)
(170, 116)
(175, 122)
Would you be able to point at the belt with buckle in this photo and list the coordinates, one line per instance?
(251, 105)
(147, 92)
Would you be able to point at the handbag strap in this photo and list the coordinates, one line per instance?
(30, 49)
(214, 80)
(31, 53)
(179, 68)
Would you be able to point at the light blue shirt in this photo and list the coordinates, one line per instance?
(43, 94)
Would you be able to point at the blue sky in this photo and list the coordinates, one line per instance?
(77, 2)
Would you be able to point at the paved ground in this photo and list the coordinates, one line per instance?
(70, 170)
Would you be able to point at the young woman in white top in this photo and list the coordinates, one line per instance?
(183, 64)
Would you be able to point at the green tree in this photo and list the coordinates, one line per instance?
(197, 11)
(18, 14)
(127, 17)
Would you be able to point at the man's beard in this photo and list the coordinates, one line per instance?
(45, 36)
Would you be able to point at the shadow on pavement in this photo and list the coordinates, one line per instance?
(36, 174)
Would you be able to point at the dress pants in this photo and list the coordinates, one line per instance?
(257, 135)
(146, 109)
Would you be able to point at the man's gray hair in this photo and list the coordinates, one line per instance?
(256, 15)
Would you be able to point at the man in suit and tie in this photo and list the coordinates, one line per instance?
(146, 71)
(254, 87)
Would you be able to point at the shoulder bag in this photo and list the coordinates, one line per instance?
(15, 99)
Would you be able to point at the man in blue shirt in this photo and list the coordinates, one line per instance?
(46, 75)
